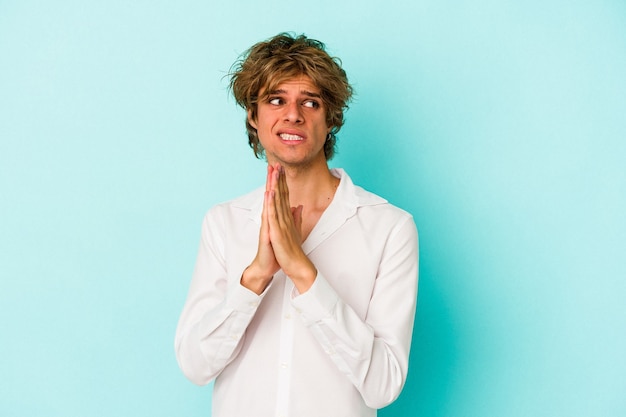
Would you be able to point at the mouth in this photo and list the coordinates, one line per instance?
(290, 138)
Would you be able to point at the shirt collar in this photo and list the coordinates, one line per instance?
(352, 196)
(348, 198)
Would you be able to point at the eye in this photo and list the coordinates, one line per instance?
(311, 104)
(275, 101)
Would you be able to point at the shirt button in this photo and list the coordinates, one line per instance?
(254, 304)
(284, 365)
(288, 316)
(234, 336)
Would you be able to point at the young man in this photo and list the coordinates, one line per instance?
(303, 296)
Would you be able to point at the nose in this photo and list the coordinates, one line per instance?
(293, 113)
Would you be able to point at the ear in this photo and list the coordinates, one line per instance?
(251, 120)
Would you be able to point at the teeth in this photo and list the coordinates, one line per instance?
(285, 136)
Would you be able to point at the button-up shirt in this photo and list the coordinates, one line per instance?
(339, 349)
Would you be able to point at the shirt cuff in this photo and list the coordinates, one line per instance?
(243, 300)
(318, 303)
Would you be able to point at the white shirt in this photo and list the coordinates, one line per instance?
(339, 349)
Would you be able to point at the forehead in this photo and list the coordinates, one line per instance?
(298, 84)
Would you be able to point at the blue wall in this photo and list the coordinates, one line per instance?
(499, 125)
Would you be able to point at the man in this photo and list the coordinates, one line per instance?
(303, 296)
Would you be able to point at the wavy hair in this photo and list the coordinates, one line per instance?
(283, 57)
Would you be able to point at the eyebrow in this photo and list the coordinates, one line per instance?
(305, 92)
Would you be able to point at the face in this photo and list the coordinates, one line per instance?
(291, 124)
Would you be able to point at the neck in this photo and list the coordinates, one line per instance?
(313, 188)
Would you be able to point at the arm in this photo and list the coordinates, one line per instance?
(217, 312)
(220, 307)
(373, 353)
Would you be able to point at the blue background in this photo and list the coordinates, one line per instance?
(499, 125)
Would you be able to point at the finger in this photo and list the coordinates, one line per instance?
(284, 190)
(273, 191)
(282, 204)
(297, 217)
(274, 178)
(273, 222)
(268, 179)
(277, 190)
(264, 232)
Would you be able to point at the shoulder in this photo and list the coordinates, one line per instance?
(383, 215)
(246, 205)
(369, 205)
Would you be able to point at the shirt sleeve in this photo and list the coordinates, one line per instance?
(373, 353)
(217, 312)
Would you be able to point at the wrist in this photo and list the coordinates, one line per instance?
(304, 277)
(254, 281)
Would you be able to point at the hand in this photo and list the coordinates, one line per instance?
(280, 239)
(285, 223)
(259, 274)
